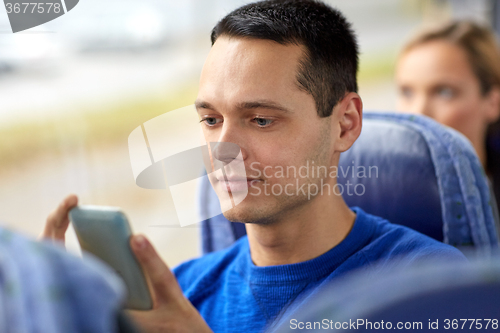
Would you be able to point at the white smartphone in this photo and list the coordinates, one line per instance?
(105, 232)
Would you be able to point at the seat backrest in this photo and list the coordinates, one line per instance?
(46, 289)
(409, 170)
(433, 297)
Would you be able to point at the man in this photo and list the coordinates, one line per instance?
(280, 82)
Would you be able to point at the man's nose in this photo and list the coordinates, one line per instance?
(225, 152)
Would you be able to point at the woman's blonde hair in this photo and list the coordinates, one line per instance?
(478, 42)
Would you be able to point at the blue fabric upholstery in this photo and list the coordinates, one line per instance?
(436, 291)
(45, 289)
(418, 173)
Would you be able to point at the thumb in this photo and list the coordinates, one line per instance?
(164, 285)
(58, 221)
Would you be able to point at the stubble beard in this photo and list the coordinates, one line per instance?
(276, 208)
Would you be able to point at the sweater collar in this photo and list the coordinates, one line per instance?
(314, 268)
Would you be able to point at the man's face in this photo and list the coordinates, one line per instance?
(249, 96)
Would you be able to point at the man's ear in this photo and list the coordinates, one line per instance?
(349, 119)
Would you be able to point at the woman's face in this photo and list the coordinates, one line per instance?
(435, 79)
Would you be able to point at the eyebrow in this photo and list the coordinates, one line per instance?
(203, 105)
(264, 104)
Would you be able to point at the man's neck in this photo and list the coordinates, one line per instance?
(302, 234)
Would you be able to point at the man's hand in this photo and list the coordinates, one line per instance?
(58, 221)
(171, 312)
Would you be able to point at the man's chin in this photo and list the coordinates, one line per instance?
(243, 214)
(251, 209)
(238, 215)
(247, 213)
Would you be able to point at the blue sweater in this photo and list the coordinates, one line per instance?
(234, 295)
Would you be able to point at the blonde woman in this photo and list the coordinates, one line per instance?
(452, 74)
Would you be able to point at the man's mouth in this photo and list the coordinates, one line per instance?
(236, 183)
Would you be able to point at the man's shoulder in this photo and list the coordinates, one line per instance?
(392, 240)
(208, 268)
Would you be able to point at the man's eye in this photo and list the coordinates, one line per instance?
(446, 92)
(211, 121)
(262, 122)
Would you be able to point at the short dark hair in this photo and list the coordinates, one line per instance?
(329, 67)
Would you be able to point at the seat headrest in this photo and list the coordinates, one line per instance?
(423, 175)
(389, 172)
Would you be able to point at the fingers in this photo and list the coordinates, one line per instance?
(58, 221)
(163, 282)
(148, 321)
(172, 312)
